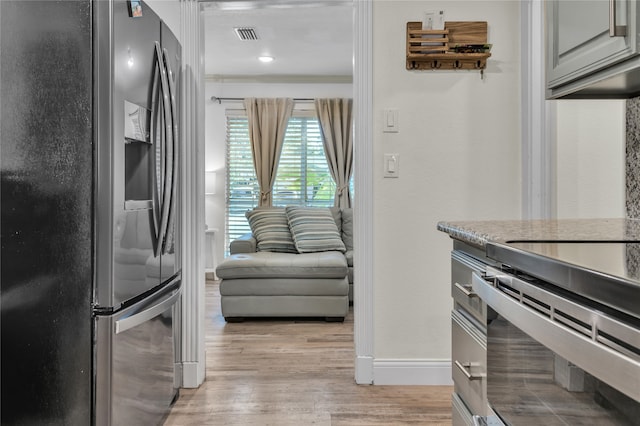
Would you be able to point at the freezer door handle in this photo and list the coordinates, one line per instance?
(145, 315)
(162, 108)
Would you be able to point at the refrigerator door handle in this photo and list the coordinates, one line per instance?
(172, 153)
(156, 140)
(166, 154)
(145, 315)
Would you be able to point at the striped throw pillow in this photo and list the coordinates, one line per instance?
(271, 229)
(314, 229)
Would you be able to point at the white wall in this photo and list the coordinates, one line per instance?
(459, 146)
(169, 11)
(590, 142)
(215, 133)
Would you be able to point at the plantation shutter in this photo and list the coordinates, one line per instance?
(303, 177)
(242, 187)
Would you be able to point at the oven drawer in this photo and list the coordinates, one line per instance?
(462, 267)
(556, 357)
(469, 363)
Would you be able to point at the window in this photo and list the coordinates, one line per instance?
(302, 178)
(242, 186)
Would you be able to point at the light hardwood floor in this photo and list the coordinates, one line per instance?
(289, 372)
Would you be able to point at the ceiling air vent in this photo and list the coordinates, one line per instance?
(246, 33)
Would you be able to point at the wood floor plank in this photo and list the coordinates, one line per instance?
(295, 372)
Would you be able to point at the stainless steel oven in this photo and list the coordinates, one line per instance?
(554, 358)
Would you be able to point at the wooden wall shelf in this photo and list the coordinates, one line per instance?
(434, 49)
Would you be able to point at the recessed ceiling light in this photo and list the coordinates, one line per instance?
(266, 59)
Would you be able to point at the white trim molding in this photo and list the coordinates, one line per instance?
(193, 374)
(363, 202)
(279, 79)
(538, 118)
(192, 209)
(412, 372)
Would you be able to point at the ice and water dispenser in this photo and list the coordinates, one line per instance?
(139, 158)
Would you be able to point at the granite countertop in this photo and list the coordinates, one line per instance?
(479, 233)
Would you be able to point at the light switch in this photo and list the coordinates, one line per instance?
(391, 165)
(390, 124)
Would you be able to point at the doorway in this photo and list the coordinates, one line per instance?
(361, 92)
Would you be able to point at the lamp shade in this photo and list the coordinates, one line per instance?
(210, 183)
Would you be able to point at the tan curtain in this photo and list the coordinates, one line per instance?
(335, 124)
(268, 119)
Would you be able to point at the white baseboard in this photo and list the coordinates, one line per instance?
(412, 372)
(193, 374)
(364, 370)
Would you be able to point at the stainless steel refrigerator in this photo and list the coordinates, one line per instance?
(90, 267)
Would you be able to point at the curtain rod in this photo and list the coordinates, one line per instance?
(219, 100)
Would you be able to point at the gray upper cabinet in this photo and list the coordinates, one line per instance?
(592, 49)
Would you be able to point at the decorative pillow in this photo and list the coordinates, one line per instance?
(347, 228)
(337, 217)
(314, 229)
(271, 229)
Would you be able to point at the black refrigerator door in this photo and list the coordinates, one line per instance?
(46, 212)
(127, 217)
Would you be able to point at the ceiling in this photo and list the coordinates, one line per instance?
(308, 39)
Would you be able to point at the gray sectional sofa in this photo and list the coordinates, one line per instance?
(265, 276)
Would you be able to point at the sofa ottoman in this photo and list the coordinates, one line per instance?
(273, 284)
